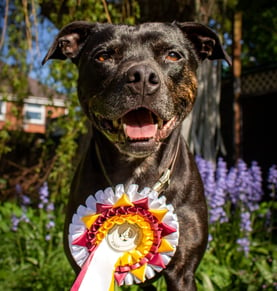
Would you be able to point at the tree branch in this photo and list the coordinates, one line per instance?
(5, 24)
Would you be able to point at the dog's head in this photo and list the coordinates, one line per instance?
(136, 83)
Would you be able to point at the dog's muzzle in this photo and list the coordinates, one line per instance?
(138, 130)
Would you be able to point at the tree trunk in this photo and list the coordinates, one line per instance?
(237, 33)
(202, 127)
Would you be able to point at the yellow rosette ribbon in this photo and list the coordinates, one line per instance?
(122, 237)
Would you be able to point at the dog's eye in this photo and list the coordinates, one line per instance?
(102, 57)
(173, 56)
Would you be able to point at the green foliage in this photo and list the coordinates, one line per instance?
(32, 256)
(72, 126)
(22, 52)
(259, 36)
(4, 138)
(225, 267)
(91, 10)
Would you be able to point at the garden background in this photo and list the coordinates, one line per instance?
(36, 168)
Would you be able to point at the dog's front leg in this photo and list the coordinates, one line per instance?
(180, 273)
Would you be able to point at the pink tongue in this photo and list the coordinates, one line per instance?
(138, 124)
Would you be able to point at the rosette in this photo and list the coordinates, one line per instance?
(122, 237)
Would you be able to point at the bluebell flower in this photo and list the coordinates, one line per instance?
(40, 205)
(48, 237)
(18, 189)
(216, 191)
(201, 165)
(243, 182)
(15, 221)
(272, 180)
(25, 218)
(240, 186)
(215, 187)
(50, 224)
(245, 223)
(25, 200)
(272, 176)
(245, 188)
(50, 207)
(221, 189)
(43, 192)
(244, 245)
(231, 185)
(256, 186)
(43, 195)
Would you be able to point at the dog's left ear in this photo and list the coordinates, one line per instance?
(205, 41)
(69, 41)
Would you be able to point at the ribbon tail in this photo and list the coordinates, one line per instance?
(82, 273)
(98, 271)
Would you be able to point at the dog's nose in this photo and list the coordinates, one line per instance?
(143, 79)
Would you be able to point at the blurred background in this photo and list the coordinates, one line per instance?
(231, 131)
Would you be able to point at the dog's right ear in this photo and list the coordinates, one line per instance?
(69, 41)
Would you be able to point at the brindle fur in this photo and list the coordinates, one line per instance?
(108, 57)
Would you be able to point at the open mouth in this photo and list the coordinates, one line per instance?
(139, 125)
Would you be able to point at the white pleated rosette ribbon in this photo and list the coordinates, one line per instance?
(122, 237)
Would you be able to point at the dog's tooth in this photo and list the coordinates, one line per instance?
(121, 136)
(160, 123)
(115, 124)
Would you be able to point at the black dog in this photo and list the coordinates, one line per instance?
(136, 85)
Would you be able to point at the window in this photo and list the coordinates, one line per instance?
(34, 113)
(2, 109)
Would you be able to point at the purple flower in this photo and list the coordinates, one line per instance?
(214, 181)
(216, 191)
(256, 186)
(240, 186)
(272, 180)
(43, 191)
(221, 189)
(50, 224)
(15, 221)
(243, 182)
(272, 175)
(25, 200)
(245, 223)
(50, 207)
(201, 164)
(43, 195)
(231, 184)
(209, 183)
(244, 245)
(245, 186)
(48, 237)
(25, 218)
(18, 189)
(40, 205)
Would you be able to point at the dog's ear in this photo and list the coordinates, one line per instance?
(69, 41)
(205, 41)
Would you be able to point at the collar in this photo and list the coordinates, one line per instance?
(162, 183)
